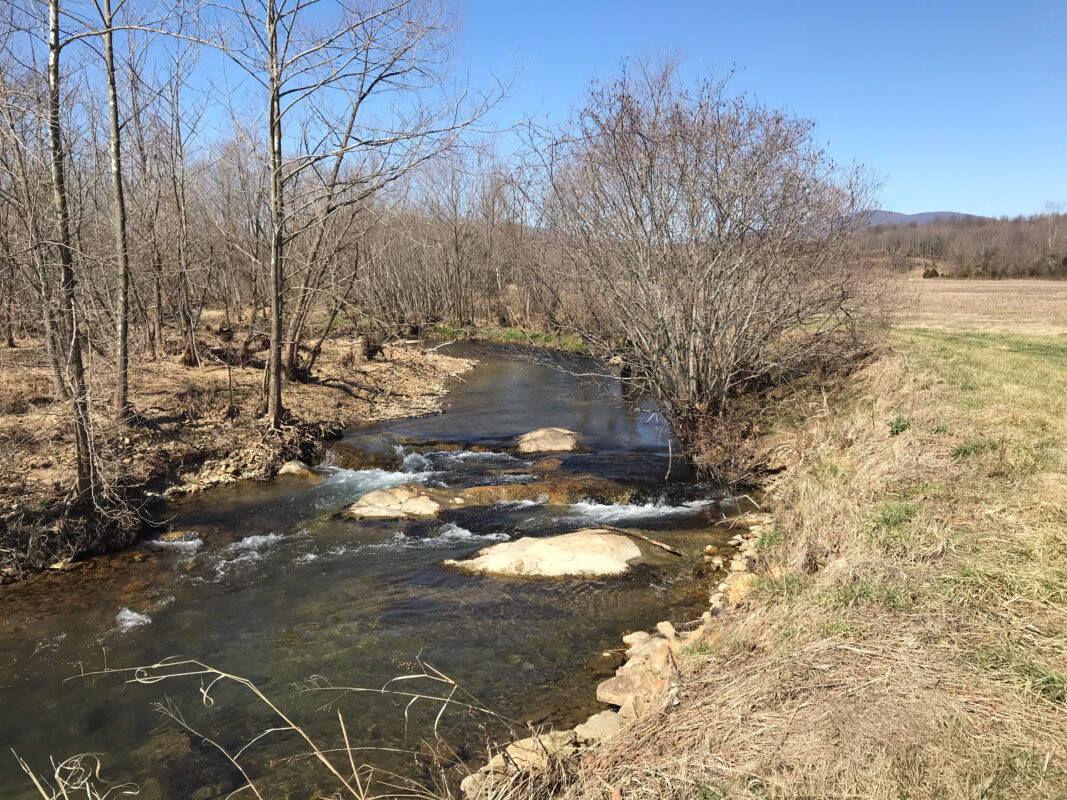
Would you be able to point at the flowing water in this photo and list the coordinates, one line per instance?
(279, 589)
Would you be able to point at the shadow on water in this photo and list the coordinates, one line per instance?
(279, 588)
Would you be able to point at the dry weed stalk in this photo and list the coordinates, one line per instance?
(350, 776)
(77, 776)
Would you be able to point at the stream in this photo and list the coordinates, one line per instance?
(276, 587)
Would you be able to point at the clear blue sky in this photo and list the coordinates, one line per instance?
(956, 106)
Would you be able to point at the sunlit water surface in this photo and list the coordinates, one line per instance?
(282, 591)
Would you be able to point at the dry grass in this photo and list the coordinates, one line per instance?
(916, 644)
(1010, 306)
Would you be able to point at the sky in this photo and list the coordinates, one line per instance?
(954, 106)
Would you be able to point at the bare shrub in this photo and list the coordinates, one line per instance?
(705, 240)
(199, 400)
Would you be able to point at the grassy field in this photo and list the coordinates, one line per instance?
(913, 643)
(1010, 306)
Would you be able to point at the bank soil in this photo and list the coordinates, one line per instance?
(897, 629)
(194, 427)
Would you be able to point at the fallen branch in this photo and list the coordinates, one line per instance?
(637, 535)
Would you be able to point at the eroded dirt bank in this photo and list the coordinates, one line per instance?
(195, 427)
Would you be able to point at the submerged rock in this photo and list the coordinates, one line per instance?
(548, 440)
(296, 467)
(591, 552)
(554, 491)
(179, 536)
(547, 464)
(605, 662)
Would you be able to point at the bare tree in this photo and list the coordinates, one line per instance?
(322, 82)
(86, 470)
(703, 238)
(118, 197)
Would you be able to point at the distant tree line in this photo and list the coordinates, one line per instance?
(1031, 246)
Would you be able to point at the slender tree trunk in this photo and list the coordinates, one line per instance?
(277, 217)
(191, 353)
(51, 337)
(68, 284)
(296, 324)
(122, 322)
(7, 298)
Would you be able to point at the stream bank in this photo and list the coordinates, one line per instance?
(196, 427)
(272, 581)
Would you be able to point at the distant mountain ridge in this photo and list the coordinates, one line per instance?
(881, 217)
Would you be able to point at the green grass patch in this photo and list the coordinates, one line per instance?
(445, 332)
(973, 448)
(863, 592)
(1013, 775)
(891, 529)
(980, 586)
(1034, 678)
(899, 425)
(769, 538)
(780, 590)
(837, 626)
(893, 514)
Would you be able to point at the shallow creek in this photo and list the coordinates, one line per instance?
(279, 589)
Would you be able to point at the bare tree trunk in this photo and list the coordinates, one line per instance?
(68, 284)
(7, 299)
(122, 322)
(296, 324)
(277, 219)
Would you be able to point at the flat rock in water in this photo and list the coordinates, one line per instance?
(591, 552)
(548, 440)
(407, 501)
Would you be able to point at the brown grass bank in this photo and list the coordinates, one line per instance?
(914, 641)
(195, 427)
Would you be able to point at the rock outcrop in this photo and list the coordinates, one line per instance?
(599, 727)
(741, 579)
(590, 553)
(530, 754)
(644, 682)
(548, 440)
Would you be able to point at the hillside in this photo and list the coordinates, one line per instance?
(882, 217)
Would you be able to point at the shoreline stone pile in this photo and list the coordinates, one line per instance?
(647, 681)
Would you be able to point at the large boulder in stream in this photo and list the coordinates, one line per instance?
(588, 553)
(407, 501)
(548, 440)
(414, 501)
(296, 467)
